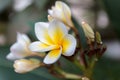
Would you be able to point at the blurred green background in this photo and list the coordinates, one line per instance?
(20, 16)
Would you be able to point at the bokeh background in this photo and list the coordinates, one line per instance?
(20, 16)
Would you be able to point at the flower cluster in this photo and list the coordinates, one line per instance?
(53, 38)
(55, 41)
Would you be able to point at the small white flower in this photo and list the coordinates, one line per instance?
(62, 12)
(20, 48)
(53, 37)
(25, 65)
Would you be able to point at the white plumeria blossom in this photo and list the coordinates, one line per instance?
(62, 12)
(54, 38)
(20, 49)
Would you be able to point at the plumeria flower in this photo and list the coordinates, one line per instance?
(20, 48)
(54, 38)
(26, 65)
(62, 12)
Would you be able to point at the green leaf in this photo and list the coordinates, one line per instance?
(44, 73)
(81, 34)
(69, 66)
(9, 74)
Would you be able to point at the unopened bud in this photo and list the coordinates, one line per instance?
(88, 31)
(98, 38)
(85, 78)
(25, 65)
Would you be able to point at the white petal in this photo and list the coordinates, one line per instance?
(52, 56)
(41, 31)
(62, 12)
(65, 7)
(69, 45)
(67, 15)
(14, 56)
(43, 24)
(57, 30)
(58, 13)
(23, 39)
(41, 47)
(50, 11)
(11, 56)
(17, 48)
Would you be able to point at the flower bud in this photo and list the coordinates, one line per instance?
(25, 65)
(98, 38)
(85, 78)
(88, 31)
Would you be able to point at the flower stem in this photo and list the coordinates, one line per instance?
(89, 71)
(67, 75)
(77, 63)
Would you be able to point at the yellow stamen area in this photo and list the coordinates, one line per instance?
(54, 53)
(58, 35)
(65, 45)
(43, 45)
(47, 37)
